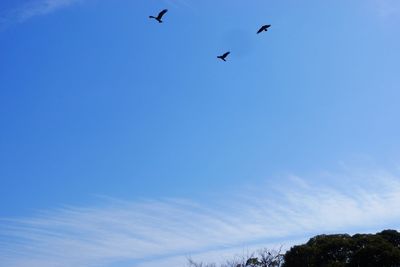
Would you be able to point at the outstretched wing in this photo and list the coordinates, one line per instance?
(263, 28)
(226, 54)
(162, 13)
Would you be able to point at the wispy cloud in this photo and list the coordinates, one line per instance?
(168, 230)
(32, 8)
(178, 3)
(387, 8)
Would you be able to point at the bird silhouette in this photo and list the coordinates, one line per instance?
(223, 57)
(159, 16)
(263, 28)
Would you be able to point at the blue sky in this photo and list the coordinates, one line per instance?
(105, 112)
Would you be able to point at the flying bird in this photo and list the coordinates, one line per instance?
(263, 28)
(159, 16)
(223, 57)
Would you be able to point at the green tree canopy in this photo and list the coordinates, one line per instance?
(360, 250)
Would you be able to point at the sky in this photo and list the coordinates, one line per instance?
(127, 143)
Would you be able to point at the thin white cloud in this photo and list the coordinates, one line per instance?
(179, 3)
(32, 8)
(387, 8)
(169, 230)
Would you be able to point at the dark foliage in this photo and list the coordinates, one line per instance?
(262, 258)
(360, 250)
(342, 250)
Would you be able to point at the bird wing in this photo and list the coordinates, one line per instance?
(226, 54)
(263, 28)
(162, 13)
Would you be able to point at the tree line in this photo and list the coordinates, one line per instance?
(339, 250)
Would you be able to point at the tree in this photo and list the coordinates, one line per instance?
(392, 236)
(262, 258)
(340, 250)
(360, 250)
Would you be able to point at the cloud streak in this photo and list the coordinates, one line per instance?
(33, 8)
(386, 8)
(167, 230)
